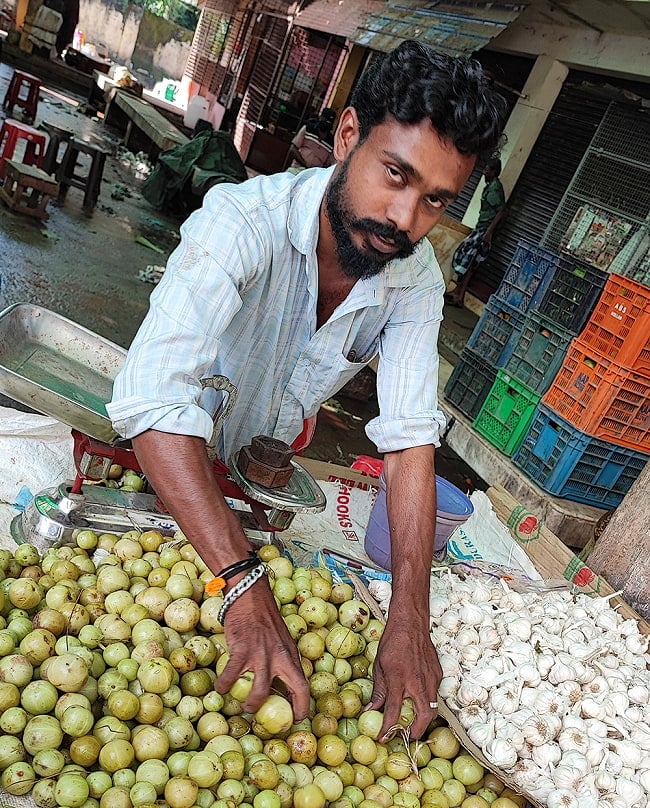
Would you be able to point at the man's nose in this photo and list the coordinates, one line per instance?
(402, 213)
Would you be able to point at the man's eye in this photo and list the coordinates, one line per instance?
(436, 202)
(394, 173)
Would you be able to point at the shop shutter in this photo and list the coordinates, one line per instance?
(204, 63)
(269, 54)
(554, 160)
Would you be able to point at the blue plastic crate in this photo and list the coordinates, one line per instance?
(469, 383)
(537, 352)
(528, 276)
(572, 294)
(493, 335)
(567, 463)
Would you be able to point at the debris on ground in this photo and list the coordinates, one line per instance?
(49, 234)
(334, 406)
(146, 243)
(138, 163)
(152, 274)
(121, 191)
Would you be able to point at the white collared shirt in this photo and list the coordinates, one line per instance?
(238, 298)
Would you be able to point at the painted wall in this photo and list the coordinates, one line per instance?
(131, 36)
(111, 27)
(162, 47)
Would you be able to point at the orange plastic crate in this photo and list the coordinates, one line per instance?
(619, 326)
(602, 398)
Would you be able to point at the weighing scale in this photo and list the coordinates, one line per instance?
(66, 371)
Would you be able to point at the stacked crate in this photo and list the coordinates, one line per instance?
(556, 312)
(590, 436)
(490, 345)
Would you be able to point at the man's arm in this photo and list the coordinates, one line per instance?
(487, 236)
(178, 468)
(406, 663)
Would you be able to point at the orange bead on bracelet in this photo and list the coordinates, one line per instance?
(214, 586)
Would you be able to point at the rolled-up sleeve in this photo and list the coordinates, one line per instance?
(159, 386)
(407, 376)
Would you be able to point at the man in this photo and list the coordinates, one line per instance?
(312, 150)
(322, 125)
(474, 250)
(289, 285)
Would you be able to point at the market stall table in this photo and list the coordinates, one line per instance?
(144, 117)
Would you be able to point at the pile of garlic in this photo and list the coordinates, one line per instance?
(554, 688)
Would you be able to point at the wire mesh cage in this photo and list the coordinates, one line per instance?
(604, 216)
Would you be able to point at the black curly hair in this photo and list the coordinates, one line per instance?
(414, 82)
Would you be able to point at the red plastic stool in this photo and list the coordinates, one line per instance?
(16, 97)
(13, 131)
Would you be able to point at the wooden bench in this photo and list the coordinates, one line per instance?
(27, 189)
(145, 117)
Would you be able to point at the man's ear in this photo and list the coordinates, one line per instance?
(347, 134)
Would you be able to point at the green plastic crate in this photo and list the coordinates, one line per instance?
(507, 412)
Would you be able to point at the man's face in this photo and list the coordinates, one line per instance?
(389, 191)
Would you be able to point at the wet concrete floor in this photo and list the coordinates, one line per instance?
(86, 268)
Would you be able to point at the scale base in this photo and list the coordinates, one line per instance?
(54, 515)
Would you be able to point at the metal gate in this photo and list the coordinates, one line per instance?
(550, 168)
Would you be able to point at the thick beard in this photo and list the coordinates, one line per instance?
(356, 262)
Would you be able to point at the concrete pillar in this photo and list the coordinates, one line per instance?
(21, 13)
(524, 125)
(346, 78)
(622, 553)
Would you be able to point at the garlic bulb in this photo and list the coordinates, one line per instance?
(504, 700)
(566, 776)
(630, 791)
(471, 614)
(561, 672)
(546, 755)
(481, 734)
(472, 714)
(638, 694)
(450, 620)
(448, 687)
(469, 693)
(541, 729)
(501, 753)
(562, 798)
(550, 702)
(572, 738)
(488, 637)
(520, 628)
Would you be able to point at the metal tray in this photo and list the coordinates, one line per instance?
(59, 368)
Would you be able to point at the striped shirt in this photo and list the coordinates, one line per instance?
(238, 298)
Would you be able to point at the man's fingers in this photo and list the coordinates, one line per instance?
(299, 695)
(259, 691)
(424, 714)
(228, 676)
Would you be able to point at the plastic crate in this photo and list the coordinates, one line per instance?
(538, 352)
(492, 335)
(565, 462)
(506, 413)
(528, 276)
(602, 398)
(619, 326)
(572, 293)
(469, 383)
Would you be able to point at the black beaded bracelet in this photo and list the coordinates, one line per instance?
(244, 585)
(219, 581)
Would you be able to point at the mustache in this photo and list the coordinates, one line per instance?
(399, 238)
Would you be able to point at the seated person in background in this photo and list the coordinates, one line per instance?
(327, 116)
(308, 151)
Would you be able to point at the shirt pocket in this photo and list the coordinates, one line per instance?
(320, 381)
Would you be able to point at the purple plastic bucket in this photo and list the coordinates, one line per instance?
(454, 508)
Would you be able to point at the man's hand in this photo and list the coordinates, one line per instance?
(406, 665)
(258, 641)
